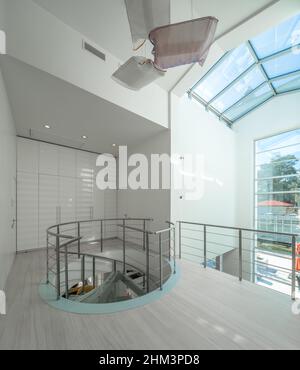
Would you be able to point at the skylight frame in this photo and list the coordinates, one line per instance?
(258, 63)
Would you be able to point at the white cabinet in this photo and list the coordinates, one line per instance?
(27, 211)
(28, 156)
(49, 158)
(57, 185)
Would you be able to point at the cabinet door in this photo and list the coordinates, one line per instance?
(27, 156)
(49, 159)
(85, 166)
(48, 205)
(67, 162)
(84, 206)
(27, 211)
(67, 199)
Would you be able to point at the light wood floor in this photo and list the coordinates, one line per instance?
(206, 310)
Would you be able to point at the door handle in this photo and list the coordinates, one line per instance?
(13, 223)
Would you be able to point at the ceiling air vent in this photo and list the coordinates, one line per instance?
(91, 49)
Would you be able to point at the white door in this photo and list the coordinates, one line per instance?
(84, 193)
(67, 204)
(49, 214)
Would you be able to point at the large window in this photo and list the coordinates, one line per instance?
(249, 76)
(277, 207)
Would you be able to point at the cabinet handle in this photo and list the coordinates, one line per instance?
(91, 213)
(13, 223)
(58, 215)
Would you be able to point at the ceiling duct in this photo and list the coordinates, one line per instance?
(137, 73)
(91, 49)
(145, 15)
(183, 43)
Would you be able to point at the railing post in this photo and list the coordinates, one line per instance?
(101, 236)
(147, 263)
(180, 224)
(115, 266)
(205, 245)
(83, 272)
(144, 235)
(47, 241)
(170, 244)
(94, 272)
(160, 264)
(57, 265)
(66, 272)
(124, 247)
(174, 245)
(78, 235)
(240, 255)
(294, 268)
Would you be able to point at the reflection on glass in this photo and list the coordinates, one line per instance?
(287, 84)
(278, 38)
(277, 50)
(258, 97)
(228, 69)
(242, 88)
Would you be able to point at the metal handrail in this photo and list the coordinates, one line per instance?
(238, 228)
(240, 238)
(98, 220)
(71, 240)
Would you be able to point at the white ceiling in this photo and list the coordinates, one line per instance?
(105, 22)
(37, 98)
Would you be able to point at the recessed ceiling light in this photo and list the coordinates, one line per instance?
(84, 137)
(47, 126)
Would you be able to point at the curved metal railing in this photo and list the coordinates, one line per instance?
(156, 248)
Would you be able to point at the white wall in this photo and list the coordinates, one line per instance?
(2, 14)
(147, 203)
(194, 131)
(38, 38)
(277, 116)
(7, 185)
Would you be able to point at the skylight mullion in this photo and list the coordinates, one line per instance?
(288, 92)
(253, 52)
(231, 84)
(218, 114)
(279, 54)
(210, 71)
(253, 109)
(243, 98)
(266, 60)
(282, 77)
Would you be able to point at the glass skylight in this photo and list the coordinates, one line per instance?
(250, 75)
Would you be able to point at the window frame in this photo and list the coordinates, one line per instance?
(258, 63)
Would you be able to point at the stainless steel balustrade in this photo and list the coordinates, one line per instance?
(152, 245)
(203, 243)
